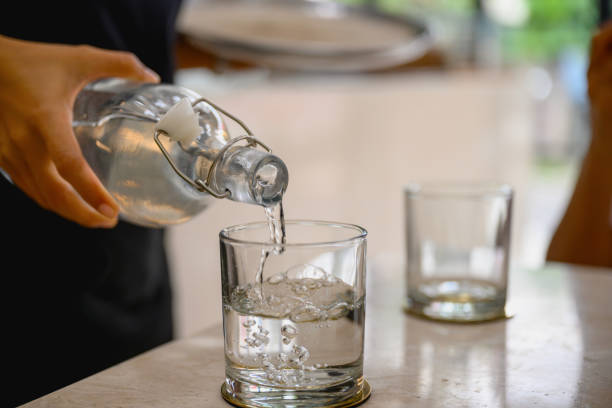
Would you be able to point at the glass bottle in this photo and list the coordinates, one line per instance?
(159, 180)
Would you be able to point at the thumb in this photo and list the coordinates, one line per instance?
(104, 63)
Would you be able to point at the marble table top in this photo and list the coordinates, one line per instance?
(555, 352)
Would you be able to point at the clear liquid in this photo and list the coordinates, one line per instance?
(457, 299)
(114, 122)
(306, 332)
(275, 215)
(299, 329)
(276, 222)
(134, 171)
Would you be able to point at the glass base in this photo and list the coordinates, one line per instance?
(464, 301)
(246, 395)
(409, 307)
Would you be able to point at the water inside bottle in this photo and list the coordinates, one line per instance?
(156, 181)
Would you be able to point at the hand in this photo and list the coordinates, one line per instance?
(600, 84)
(38, 149)
(584, 235)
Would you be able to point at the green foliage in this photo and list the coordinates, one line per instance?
(553, 26)
(403, 6)
(436, 6)
(561, 13)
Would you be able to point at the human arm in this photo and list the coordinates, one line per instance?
(38, 150)
(584, 235)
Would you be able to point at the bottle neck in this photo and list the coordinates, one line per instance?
(251, 176)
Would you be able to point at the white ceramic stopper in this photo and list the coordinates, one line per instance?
(180, 122)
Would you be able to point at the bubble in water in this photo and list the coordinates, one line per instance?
(305, 313)
(286, 340)
(338, 310)
(305, 286)
(301, 353)
(273, 300)
(330, 281)
(306, 271)
(312, 283)
(252, 342)
(289, 331)
(278, 278)
(261, 338)
(299, 289)
(249, 323)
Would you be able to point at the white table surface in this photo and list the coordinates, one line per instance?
(555, 352)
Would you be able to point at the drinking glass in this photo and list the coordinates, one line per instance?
(293, 315)
(457, 249)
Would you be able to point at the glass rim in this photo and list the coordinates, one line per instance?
(452, 189)
(361, 233)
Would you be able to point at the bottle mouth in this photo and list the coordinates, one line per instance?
(269, 181)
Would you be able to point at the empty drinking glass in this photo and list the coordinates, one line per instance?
(457, 248)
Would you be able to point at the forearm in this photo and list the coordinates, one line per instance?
(584, 235)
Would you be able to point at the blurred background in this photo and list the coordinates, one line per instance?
(499, 93)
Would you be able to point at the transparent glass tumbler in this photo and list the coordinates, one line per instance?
(457, 249)
(293, 315)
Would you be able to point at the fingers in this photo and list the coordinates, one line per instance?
(65, 200)
(27, 161)
(72, 181)
(101, 63)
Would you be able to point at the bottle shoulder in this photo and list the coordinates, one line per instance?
(117, 98)
(122, 96)
(127, 87)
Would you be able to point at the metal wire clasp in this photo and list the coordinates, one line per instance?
(198, 183)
